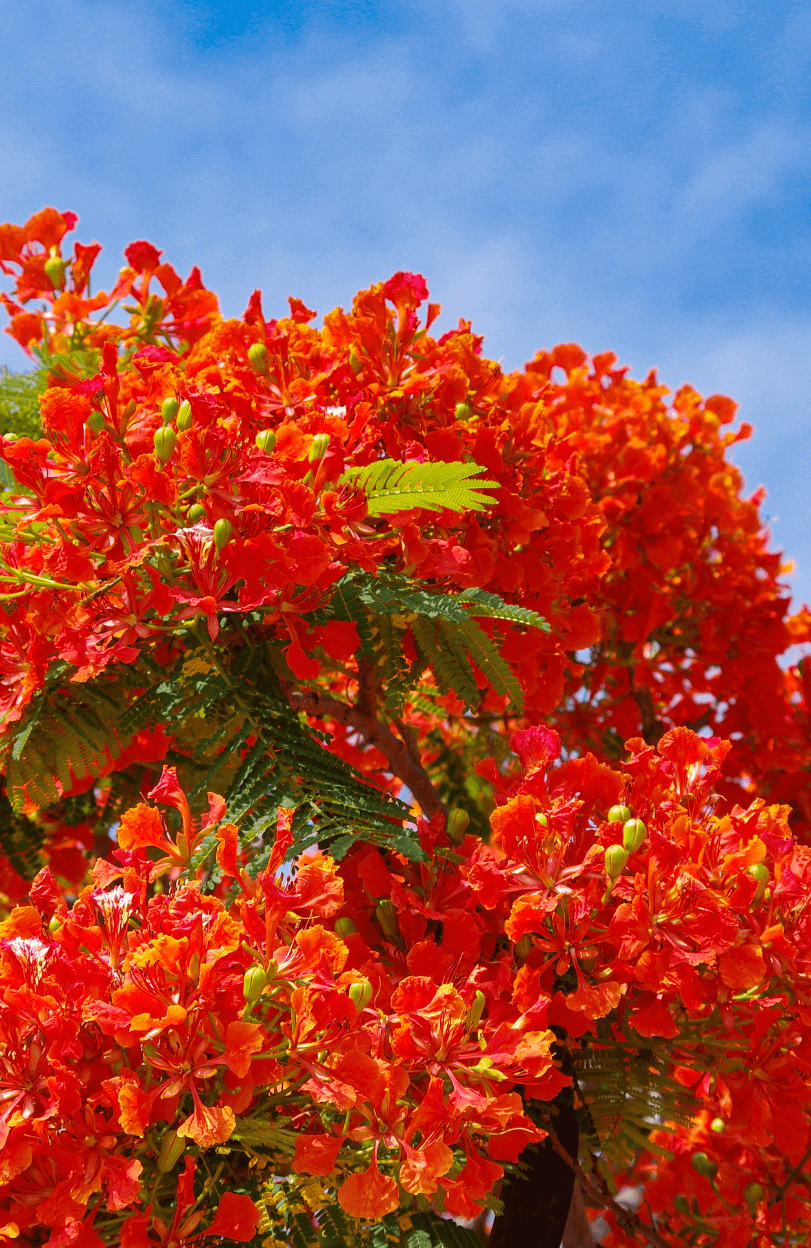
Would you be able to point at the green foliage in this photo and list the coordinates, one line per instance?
(252, 748)
(66, 737)
(331, 1228)
(625, 1095)
(19, 403)
(239, 738)
(445, 630)
(391, 485)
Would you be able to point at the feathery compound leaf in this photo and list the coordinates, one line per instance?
(486, 656)
(66, 736)
(625, 1095)
(391, 485)
(490, 606)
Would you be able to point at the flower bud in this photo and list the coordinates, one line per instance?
(266, 441)
(463, 411)
(542, 820)
(258, 356)
(704, 1166)
(319, 447)
(615, 860)
(196, 513)
(344, 926)
(95, 422)
(618, 814)
(718, 1126)
(172, 1150)
(457, 824)
(634, 832)
(165, 440)
(524, 946)
(185, 419)
(168, 410)
(476, 1010)
(54, 925)
(253, 981)
(752, 1194)
(361, 993)
(681, 1203)
(760, 872)
(387, 918)
(55, 269)
(354, 363)
(222, 533)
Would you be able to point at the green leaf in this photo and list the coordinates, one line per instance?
(484, 604)
(391, 485)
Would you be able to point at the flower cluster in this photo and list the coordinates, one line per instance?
(211, 1022)
(193, 477)
(371, 1022)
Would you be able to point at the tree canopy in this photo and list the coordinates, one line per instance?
(405, 784)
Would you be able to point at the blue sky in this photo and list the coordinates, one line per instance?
(633, 176)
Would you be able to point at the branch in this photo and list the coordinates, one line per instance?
(628, 1221)
(404, 763)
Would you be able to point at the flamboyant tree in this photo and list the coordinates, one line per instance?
(387, 750)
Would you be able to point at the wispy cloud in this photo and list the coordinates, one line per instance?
(631, 175)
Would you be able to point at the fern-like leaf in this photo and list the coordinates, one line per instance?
(391, 485)
(625, 1095)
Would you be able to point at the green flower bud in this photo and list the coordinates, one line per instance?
(319, 447)
(165, 440)
(618, 814)
(55, 269)
(542, 820)
(172, 1150)
(615, 860)
(168, 410)
(633, 834)
(266, 441)
(524, 946)
(185, 419)
(196, 512)
(704, 1166)
(387, 918)
(222, 533)
(476, 1010)
(253, 981)
(760, 872)
(457, 824)
(354, 363)
(258, 356)
(718, 1126)
(753, 1193)
(463, 411)
(54, 925)
(95, 422)
(344, 926)
(682, 1204)
(361, 993)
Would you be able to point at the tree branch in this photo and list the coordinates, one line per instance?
(628, 1221)
(403, 761)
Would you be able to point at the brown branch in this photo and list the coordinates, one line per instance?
(628, 1221)
(403, 760)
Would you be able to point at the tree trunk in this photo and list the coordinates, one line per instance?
(537, 1202)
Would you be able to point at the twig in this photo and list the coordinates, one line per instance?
(786, 1184)
(628, 1221)
(402, 762)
